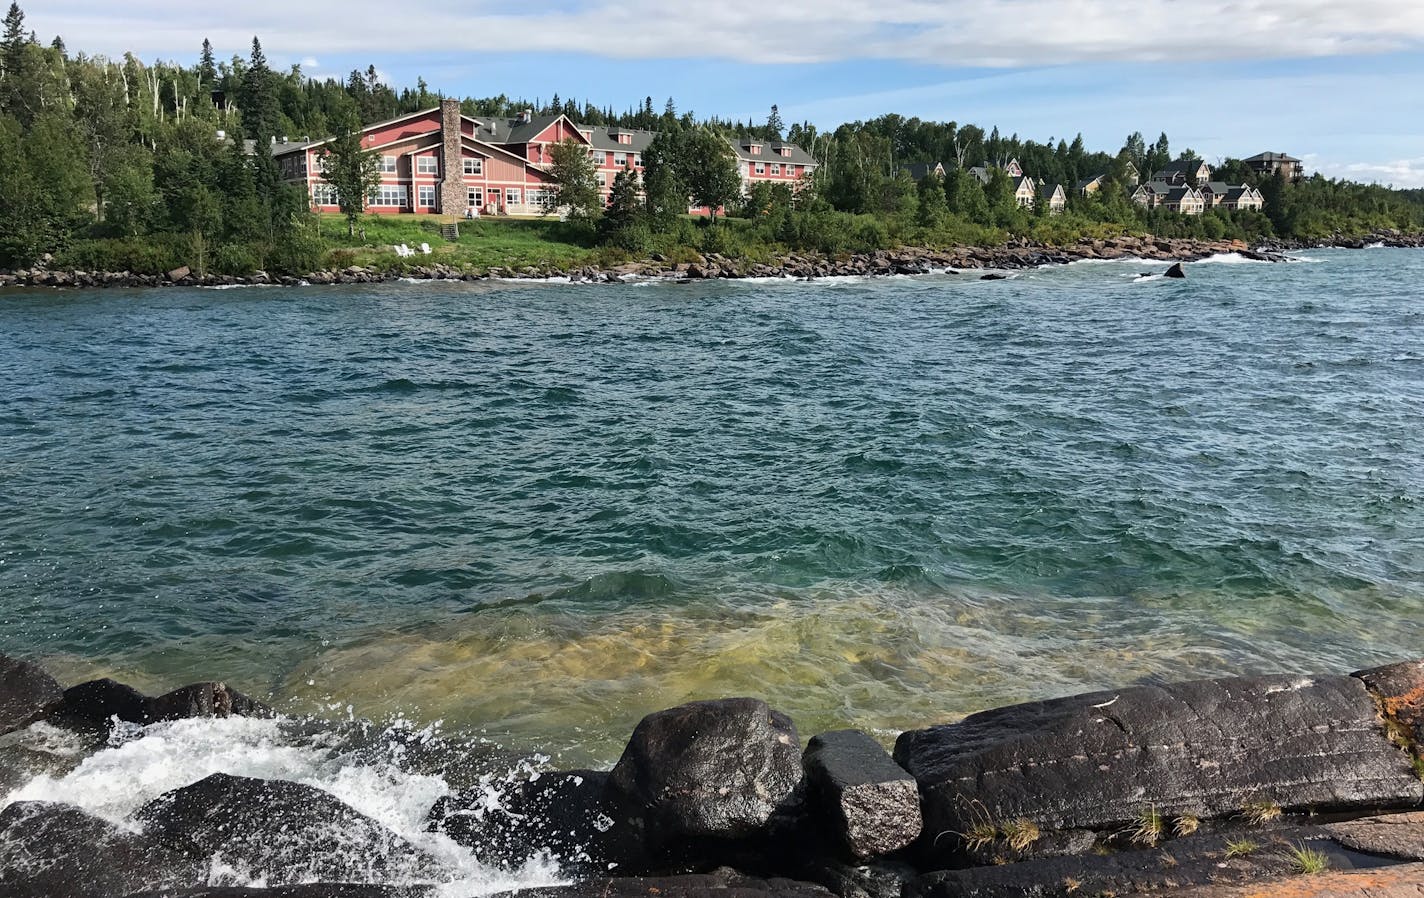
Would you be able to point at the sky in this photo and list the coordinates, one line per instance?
(1338, 83)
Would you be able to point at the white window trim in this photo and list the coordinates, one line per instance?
(427, 165)
(760, 168)
(388, 164)
(474, 166)
(426, 196)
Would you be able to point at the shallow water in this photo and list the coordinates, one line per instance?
(538, 511)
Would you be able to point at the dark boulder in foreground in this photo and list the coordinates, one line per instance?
(285, 832)
(309, 890)
(571, 814)
(50, 850)
(716, 769)
(721, 883)
(856, 788)
(1176, 271)
(100, 700)
(26, 693)
(1206, 749)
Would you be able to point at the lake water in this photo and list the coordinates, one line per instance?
(538, 511)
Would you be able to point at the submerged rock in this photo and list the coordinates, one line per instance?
(1210, 748)
(27, 692)
(285, 832)
(716, 769)
(870, 801)
(51, 850)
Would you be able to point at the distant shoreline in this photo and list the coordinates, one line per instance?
(1011, 256)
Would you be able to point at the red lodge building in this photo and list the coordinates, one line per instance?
(441, 161)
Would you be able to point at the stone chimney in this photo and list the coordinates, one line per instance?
(452, 170)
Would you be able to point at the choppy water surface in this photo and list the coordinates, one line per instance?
(539, 511)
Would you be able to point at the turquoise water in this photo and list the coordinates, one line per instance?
(541, 510)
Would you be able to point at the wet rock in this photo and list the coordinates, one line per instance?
(993, 277)
(1399, 689)
(205, 700)
(718, 884)
(571, 814)
(285, 832)
(178, 274)
(1399, 836)
(99, 700)
(710, 769)
(27, 692)
(872, 803)
(1210, 748)
(51, 850)
(308, 890)
(1176, 271)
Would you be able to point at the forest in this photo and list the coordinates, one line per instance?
(126, 165)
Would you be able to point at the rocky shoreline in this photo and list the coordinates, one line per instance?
(1258, 785)
(1012, 256)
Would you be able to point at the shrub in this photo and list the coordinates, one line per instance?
(154, 254)
(235, 259)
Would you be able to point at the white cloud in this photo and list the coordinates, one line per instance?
(960, 33)
(309, 62)
(1398, 173)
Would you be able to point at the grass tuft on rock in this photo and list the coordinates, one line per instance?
(1259, 813)
(1241, 848)
(1185, 825)
(1149, 827)
(1308, 861)
(1419, 767)
(1021, 833)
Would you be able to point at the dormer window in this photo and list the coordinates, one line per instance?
(756, 149)
(625, 138)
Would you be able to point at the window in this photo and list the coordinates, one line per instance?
(637, 160)
(324, 194)
(625, 138)
(620, 159)
(388, 195)
(474, 166)
(475, 197)
(537, 198)
(388, 164)
(426, 165)
(761, 168)
(511, 196)
(427, 195)
(602, 178)
(318, 163)
(776, 168)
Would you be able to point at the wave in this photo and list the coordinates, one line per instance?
(1230, 259)
(140, 763)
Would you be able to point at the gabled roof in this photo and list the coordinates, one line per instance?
(1161, 188)
(605, 138)
(1270, 157)
(282, 149)
(1183, 165)
(797, 156)
(1022, 181)
(1048, 191)
(1088, 181)
(918, 170)
(981, 172)
(1186, 191)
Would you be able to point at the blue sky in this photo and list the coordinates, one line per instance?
(1340, 84)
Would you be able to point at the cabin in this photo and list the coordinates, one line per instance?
(1184, 171)
(1269, 163)
(1025, 191)
(1130, 174)
(1089, 186)
(1152, 194)
(1243, 196)
(1184, 199)
(918, 171)
(1054, 196)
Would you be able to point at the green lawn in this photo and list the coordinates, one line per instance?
(484, 243)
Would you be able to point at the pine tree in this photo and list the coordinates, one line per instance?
(207, 67)
(15, 77)
(774, 127)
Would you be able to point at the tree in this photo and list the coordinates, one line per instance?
(257, 98)
(664, 190)
(965, 193)
(575, 181)
(709, 169)
(623, 223)
(15, 75)
(774, 126)
(934, 206)
(349, 167)
(207, 68)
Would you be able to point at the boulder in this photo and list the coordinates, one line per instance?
(99, 700)
(27, 692)
(1209, 748)
(1399, 689)
(51, 850)
(710, 769)
(993, 277)
(205, 700)
(1176, 271)
(286, 832)
(571, 814)
(872, 803)
(178, 274)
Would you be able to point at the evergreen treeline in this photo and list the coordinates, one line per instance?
(126, 165)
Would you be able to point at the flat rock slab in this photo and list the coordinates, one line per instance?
(51, 850)
(1195, 860)
(285, 832)
(1209, 748)
(1399, 836)
(27, 691)
(870, 801)
(1404, 881)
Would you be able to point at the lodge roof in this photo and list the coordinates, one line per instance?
(918, 170)
(1270, 157)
